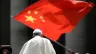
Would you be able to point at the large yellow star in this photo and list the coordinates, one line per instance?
(30, 18)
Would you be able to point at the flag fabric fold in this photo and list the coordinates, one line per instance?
(54, 18)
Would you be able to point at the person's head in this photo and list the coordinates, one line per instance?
(37, 32)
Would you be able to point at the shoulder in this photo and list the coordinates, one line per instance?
(46, 39)
(36, 39)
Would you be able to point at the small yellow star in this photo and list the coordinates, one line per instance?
(29, 12)
(30, 18)
(41, 17)
(35, 12)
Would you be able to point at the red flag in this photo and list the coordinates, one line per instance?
(54, 18)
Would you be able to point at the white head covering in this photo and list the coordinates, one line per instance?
(37, 31)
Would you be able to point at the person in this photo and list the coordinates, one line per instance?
(5, 49)
(38, 45)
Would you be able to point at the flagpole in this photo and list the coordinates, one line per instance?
(70, 51)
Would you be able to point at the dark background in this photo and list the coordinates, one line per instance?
(81, 39)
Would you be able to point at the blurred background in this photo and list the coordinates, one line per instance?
(82, 39)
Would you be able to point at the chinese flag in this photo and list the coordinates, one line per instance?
(54, 17)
